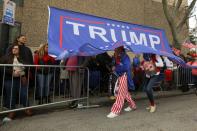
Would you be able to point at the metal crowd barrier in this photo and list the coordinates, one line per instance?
(17, 93)
(183, 76)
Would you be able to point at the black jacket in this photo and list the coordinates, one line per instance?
(25, 54)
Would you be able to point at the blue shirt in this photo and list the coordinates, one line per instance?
(125, 66)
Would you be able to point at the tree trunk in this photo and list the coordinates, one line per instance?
(176, 27)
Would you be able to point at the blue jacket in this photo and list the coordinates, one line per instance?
(125, 66)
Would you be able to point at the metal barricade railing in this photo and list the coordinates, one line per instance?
(40, 85)
(183, 76)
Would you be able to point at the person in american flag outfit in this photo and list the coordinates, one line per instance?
(152, 66)
(123, 69)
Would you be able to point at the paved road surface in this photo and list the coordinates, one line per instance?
(173, 114)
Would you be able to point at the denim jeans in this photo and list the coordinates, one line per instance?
(148, 86)
(12, 89)
(43, 81)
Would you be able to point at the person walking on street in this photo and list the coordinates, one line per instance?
(123, 69)
(152, 66)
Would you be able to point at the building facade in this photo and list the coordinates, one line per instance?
(32, 16)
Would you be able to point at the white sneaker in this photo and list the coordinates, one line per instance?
(6, 119)
(112, 115)
(148, 108)
(152, 109)
(79, 106)
(112, 97)
(129, 109)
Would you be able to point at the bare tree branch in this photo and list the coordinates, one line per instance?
(174, 3)
(175, 22)
(187, 24)
(171, 24)
(177, 6)
(185, 17)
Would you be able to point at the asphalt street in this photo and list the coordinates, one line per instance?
(173, 114)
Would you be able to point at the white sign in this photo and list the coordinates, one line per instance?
(9, 12)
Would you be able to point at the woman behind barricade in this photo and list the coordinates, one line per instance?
(76, 77)
(123, 70)
(15, 82)
(44, 74)
(151, 65)
(25, 52)
(27, 57)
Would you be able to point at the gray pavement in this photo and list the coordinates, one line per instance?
(176, 113)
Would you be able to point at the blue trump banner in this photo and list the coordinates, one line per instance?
(72, 33)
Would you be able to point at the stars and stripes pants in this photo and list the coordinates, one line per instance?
(122, 94)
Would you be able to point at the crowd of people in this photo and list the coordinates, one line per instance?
(142, 73)
(32, 73)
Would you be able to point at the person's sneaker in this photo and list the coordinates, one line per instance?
(112, 115)
(148, 108)
(80, 106)
(112, 97)
(6, 119)
(129, 109)
(152, 109)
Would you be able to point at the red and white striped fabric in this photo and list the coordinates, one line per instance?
(122, 95)
(189, 45)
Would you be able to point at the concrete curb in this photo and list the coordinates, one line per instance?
(104, 100)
